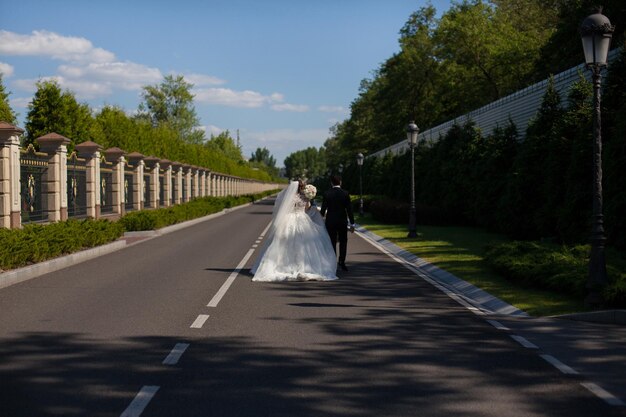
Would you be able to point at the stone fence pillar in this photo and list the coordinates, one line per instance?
(166, 165)
(152, 163)
(177, 171)
(10, 199)
(90, 151)
(195, 173)
(54, 184)
(136, 159)
(202, 182)
(116, 157)
(187, 182)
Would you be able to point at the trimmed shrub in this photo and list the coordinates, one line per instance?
(35, 243)
(552, 267)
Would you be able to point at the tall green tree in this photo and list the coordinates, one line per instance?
(6, 112)
(171, 103)
(54, 110)
(262, 155)
(309, 163)
(225, 144)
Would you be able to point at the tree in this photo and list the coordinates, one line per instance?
(262, 155)
(53, 110)
(309, 163)
(6, 112)
(226, 145)
(171, 103)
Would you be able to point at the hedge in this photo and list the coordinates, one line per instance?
(557, 268)
(35, 243)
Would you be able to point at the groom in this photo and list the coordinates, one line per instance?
(337, 209)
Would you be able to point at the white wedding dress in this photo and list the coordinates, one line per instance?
(297, 247)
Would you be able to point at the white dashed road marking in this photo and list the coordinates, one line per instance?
(175, 354)
(559, 365)
(602, 393)
(140, 402)
(524, 342)
(497, 325)
(199, 321)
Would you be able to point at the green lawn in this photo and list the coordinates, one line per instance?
(459, 250)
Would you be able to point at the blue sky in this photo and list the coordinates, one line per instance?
(281, 71)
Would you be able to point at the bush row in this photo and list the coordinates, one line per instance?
(156, 219)
(395, 211)
(36, 243)
(557, 268)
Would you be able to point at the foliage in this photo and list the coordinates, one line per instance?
(263, 156)
(476, 52)
(226, 145)
(53, 110)
(156, 219)
(6, 112)
(35, 243)
(170, 103)
(113, 128)
(558, 268)
(309, 163)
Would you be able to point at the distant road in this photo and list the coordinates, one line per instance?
(174, 326)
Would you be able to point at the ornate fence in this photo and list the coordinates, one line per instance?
(48, 185)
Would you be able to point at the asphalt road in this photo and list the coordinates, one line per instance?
(167, 327)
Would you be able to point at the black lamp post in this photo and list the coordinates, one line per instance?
(359, 162)
(411, 134)
(596, 32)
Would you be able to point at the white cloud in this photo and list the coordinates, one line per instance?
(44, 43)
(283, 142)
(333, 109)
(232, 98)
(6, 69)
(82, 88)
(202, 80)
(211, 130)
(124, 75)
(20, 102)
(290, 107)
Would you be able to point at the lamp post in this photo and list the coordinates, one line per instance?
(359, 162)
(596, 32)
(411, 134)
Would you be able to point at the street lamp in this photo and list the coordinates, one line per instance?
(596, 32)
(359, 162)
(411, 134)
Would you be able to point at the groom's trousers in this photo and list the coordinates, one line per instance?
(339, 233)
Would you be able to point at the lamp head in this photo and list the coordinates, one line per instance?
(596, 31)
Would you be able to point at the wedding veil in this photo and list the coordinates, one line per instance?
(282, 206)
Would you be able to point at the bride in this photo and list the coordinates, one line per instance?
(297, 247)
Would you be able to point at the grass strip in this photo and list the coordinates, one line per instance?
(461, 251)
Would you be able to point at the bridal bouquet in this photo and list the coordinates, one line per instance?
(309, 191)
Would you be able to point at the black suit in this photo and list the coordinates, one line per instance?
(338, 209)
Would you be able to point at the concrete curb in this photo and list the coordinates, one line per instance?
(450, 284)
(18, 275)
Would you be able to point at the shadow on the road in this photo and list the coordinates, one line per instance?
(395, 347)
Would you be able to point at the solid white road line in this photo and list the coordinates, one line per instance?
(217, 297)
(559, 365)
(175, 354)
(524, 342)
(140, 402)
(199, 321)
(497, 325)
(602, 393)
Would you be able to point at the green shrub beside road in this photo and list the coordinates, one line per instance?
(36, 243)
(539, 278)
(556, 268)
